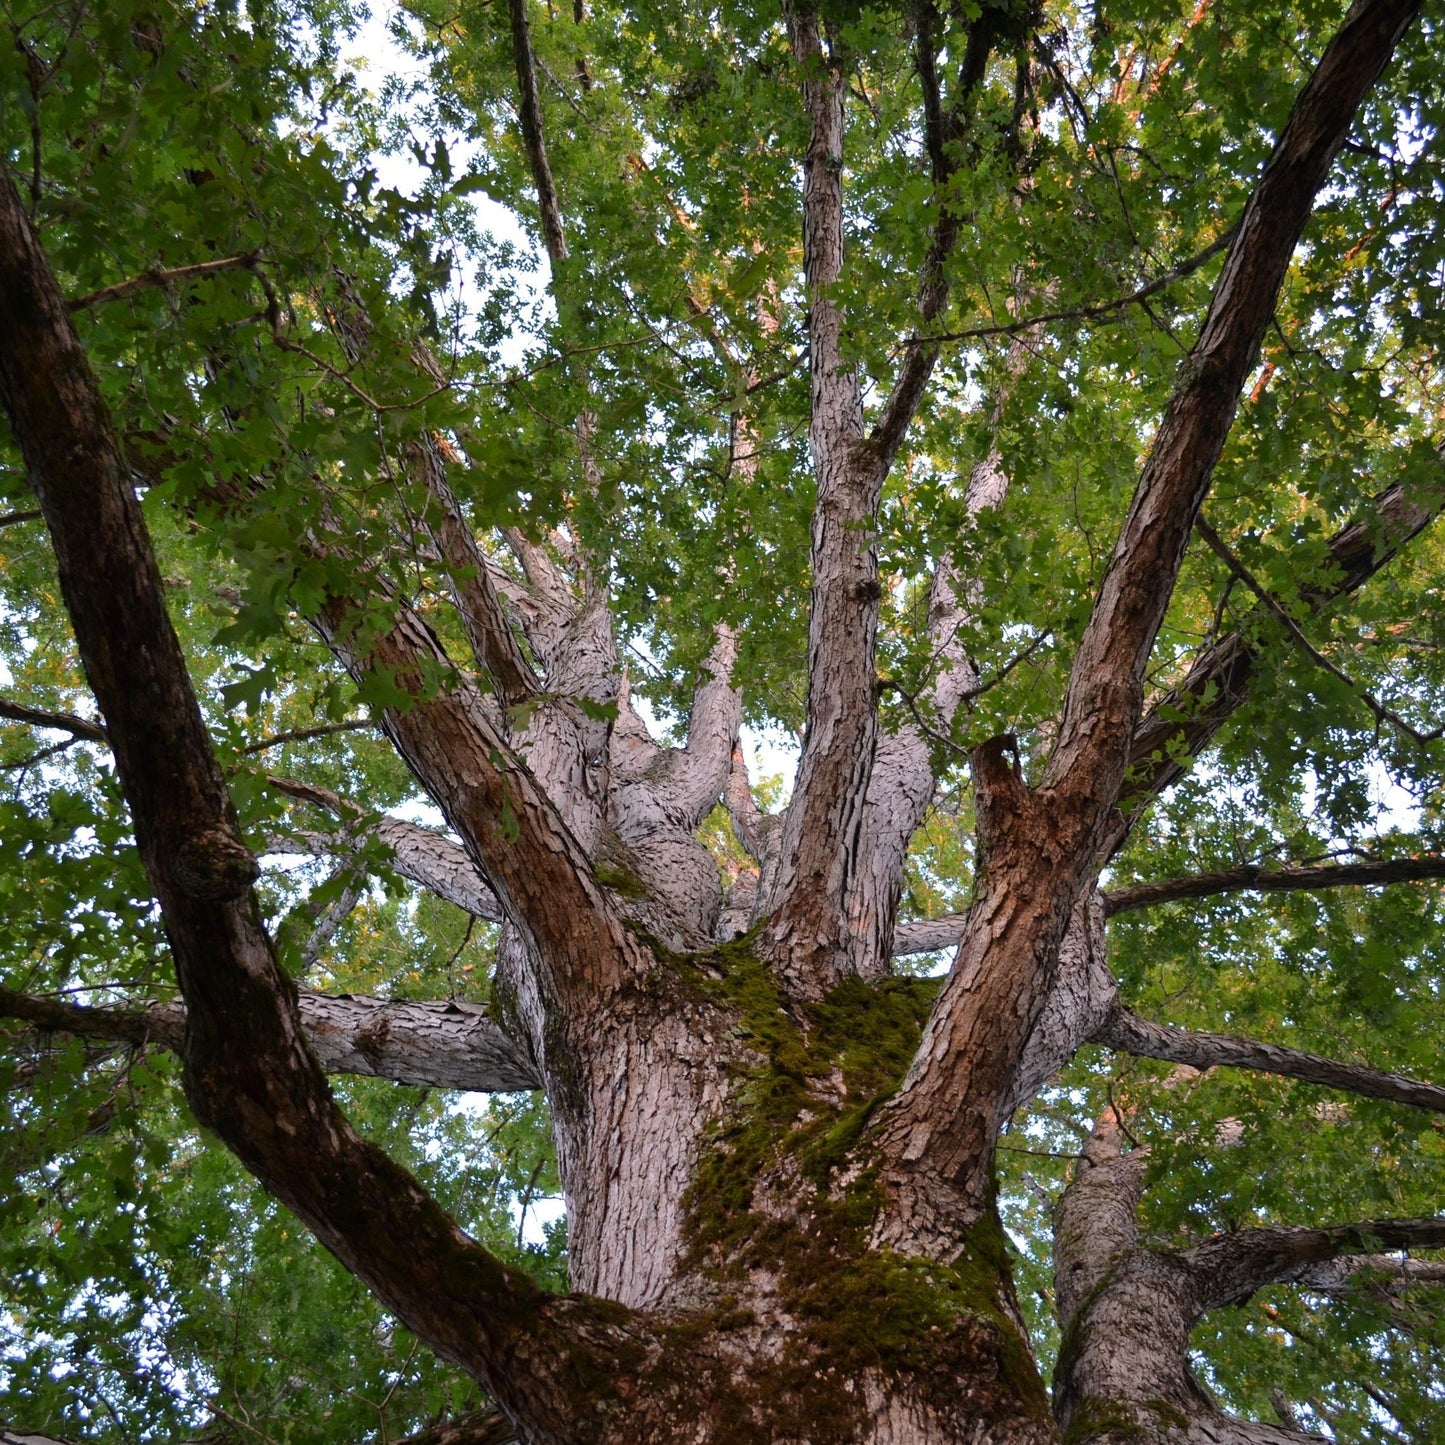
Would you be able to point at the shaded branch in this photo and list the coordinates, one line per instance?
(78, 727)
(1257, 878)
(1094, 311)
(437, 1045)
(1126, 1032)
(1231, 1267)
(530, 113)
(1272, 605)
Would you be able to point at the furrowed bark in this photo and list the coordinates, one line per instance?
(1122, 1373)
(508, 824)
(529, 111)
(248, 1070)
(1124, 1031)
(807, 937)
(435, 1045)
(1038, 846)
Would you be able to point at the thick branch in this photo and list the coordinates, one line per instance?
(420, 854)
(530, 112)
(436, 1045)
(1107, 679)
(77, 727)
(1231, 1267)
(1125, 1031)
(248, 1070)
(699, 772)
(1038, 846)
(808, 936)
(1256, 878)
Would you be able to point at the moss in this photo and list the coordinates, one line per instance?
(1095, 1419)
(811, 1078)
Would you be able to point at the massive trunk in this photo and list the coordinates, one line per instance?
(777, 1158)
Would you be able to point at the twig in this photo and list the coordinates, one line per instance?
(301, 735)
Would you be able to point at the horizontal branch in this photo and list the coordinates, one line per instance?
(435, 1044)
(1126, 1032)
(1092, 312)
(65, 722)
(1257, 878)
(420, 854)
(1230, 1268)
(1349, 1273)
(161, 277)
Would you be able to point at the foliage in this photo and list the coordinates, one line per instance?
(148, 1290)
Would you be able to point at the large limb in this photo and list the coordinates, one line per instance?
(807, 937)
(1038, 846)
(511, 829)
(248, 1071)
(1127, 1311)
(437, 1045)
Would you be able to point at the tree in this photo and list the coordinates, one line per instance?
(888, 357)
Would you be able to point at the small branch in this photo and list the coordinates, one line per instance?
(163, 277)
(1257, 878)
(78, 727)
(301, 735)
(1126, 1032)
(14, 519)
(1093, 312)
(530, 110)
(1382, 713)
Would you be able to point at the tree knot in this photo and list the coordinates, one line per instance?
(214, 865)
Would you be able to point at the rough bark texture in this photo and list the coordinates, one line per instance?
(1127, 1311)
(777, 1160)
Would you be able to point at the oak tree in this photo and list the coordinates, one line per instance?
(1032, 407)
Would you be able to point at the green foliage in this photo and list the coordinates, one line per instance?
(146, 1286)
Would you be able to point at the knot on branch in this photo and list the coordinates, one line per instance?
(214, 865)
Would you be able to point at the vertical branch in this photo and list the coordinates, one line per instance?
(1037, 846)
(807, 938)
(530, 111)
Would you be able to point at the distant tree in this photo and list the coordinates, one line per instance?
(1037, 409)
